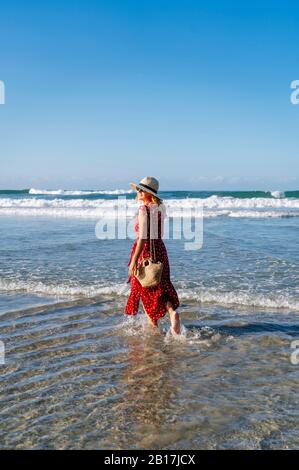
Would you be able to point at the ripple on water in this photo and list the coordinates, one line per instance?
(77, 377)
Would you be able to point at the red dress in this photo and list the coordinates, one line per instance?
(154, 299)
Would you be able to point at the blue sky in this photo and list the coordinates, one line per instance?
(100, 93)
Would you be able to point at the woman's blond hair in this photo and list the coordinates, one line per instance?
(154, 199)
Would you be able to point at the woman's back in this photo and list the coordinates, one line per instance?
(150, 221)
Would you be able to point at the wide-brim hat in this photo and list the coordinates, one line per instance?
(149, 184)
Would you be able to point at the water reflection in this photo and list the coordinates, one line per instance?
(151, 383)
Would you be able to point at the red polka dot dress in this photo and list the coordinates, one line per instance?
(154, 298)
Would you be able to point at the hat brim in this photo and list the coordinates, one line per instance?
(146, 190)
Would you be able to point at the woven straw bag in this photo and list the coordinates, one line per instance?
(149, 272)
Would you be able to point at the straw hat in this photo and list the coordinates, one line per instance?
(149, 184)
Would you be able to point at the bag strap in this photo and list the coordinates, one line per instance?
(152, 244)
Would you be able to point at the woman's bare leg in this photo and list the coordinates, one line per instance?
(152, 322)
(174, 318)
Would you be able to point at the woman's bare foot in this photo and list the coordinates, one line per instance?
(174, 318)
(152, 323)
(175, 322)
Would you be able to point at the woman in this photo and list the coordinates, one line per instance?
(162, 298)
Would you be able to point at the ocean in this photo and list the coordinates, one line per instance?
(79, 374)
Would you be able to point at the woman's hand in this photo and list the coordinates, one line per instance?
(133, 268)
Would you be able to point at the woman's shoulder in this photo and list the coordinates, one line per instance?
(142, 212)
(142, 208)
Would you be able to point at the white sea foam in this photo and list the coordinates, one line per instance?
(277, 194)
(65, 192)
(200, 295)
(246, 299)
(213, 206)
(228, 202)
(38, 287)
(138, 326)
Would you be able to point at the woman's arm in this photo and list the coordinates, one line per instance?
(138, 250)
(142, 224)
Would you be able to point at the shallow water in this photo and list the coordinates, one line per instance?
(79, 374)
